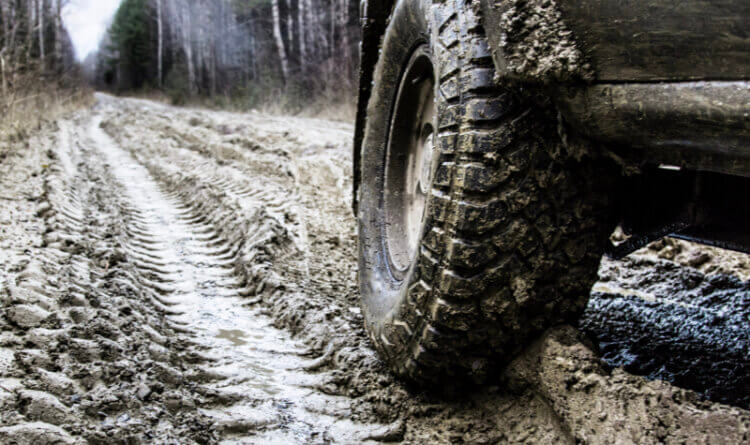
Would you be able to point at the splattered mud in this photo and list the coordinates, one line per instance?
(185, 276)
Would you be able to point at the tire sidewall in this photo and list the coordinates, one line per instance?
(383, 294)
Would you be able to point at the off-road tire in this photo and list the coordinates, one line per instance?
(514, 226)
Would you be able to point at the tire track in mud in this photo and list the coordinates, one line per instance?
(189, 267)
(87, 365)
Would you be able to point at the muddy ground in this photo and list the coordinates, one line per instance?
(188, 276)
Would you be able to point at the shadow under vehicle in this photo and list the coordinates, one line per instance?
(498, 144)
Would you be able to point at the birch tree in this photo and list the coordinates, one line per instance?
(301, 32)
(40, 13)
(279, 40)
(160, 43)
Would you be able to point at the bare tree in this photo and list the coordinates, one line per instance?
(160, 44)
(279, 40)
(344, 33)
(30, 19)
(301, 33)
(40, 13)
(289, 29)
(188, 45)
(59, 58)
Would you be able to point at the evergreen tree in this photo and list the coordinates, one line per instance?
(132, 43)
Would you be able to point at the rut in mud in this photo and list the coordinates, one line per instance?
(192, 268)
(176, 275)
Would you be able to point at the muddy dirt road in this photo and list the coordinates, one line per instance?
(187, 276)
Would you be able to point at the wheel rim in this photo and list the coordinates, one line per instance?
(408, 167)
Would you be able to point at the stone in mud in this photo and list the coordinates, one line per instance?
(36, 433)
(42, 406)
(27, 316)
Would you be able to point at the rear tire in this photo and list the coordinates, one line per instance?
(513, 227)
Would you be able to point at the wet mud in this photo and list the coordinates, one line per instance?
(189, 276)
(667, 322)
(536, 43)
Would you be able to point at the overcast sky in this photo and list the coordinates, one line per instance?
(86, 21)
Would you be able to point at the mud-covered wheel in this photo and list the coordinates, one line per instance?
(477, 228)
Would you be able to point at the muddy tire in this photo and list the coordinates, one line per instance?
(512, 227)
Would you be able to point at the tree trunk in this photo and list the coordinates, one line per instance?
(313, 28)
(30, 19)
(14, 16)
(346, 49)
(160, 44)
(290, 31)
(332, 31)
(6, 21)
(58, 36)
(211, 50)
(2, 73)
(40, 12)
(301, 32)
(187, 43)
(253, 55)
(279, 40)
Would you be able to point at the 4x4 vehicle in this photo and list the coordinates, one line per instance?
(499, 143)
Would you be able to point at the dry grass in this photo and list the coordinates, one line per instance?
(331, 106)
(23, 109)
(328, 105)
(338, 110)
(151, 94)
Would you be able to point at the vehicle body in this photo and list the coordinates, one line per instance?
(660, 87)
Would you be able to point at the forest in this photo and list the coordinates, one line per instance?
(290, 55)
(37, 62)
(240, 52)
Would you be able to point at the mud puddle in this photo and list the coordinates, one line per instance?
(252, 361)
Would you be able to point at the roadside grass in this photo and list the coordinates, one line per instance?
(25, 108)
(268, 96)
